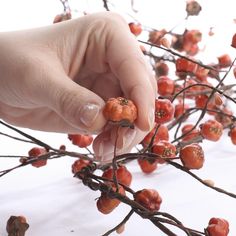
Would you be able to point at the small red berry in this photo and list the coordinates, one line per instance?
(135, 28)
(233, 44)
(234, 72)
(192, 37)
(185, 65)
(224, 61)
(147, 166)
(78, 165)
(37, 152)
(202, 100)
(180, 109)
(192, 134)
(164, 111)
(201, 73)
(161, 68)
(148, 198)
(192, 156)
(161, 134)
(155, 36)
(232, 134)
(80, 140)
(120, 109)
(165, 85)
(62, 147)
(16, 225)
(218, 227)
(122, 173)
(211, 130)
(191, 50)
(193, 8)
(164, 149)
(106, 204)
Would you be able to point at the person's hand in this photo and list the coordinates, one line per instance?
(57, 78)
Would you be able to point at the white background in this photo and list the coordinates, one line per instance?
(55, 203)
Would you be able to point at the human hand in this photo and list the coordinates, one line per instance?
(57, 78)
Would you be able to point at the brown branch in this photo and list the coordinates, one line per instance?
(204, 110)
(94, 183)
(16, 138)
(105, 5)
(179, 55)
(180, 167)
(33, 139)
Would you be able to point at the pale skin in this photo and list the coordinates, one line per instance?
(57, 79)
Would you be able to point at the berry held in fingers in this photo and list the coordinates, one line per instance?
(120, 109)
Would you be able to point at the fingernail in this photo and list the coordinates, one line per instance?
(89, 114)
(128, 138)
(105, 152)
(151, 118)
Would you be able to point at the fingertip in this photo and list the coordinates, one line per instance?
(146, 107)
(115, 141)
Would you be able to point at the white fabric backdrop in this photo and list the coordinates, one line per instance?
(55, 203)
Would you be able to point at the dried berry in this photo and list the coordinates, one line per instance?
(148, 198)
(79, 164)
(164, 149)
(123, 175)
(192, 156)
(135, 28)
(105, 203)
(17, 226)
(120, 109)
(193, 8)
(211, 130)
(80, 140)
(164, 111)
(147, 165)
(162, 133)
(233, 44)
(218, 227)
(37, 152)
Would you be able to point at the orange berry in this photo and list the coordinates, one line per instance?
(211, 130)
(192, 156)
(106, 204)
(164, 149)
(148, 198)
(164, 111)
(161, 134)
(135, 28)
(120, 109)
(37, 152)
(80, 140)
(78, 165)
(122, 173)
(233, 44)
(147, 166)
(224, 61)
(184, 65)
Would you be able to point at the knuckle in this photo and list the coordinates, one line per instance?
(109, 20)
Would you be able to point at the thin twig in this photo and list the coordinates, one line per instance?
(120, 224)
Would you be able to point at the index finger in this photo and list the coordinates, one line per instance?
(129, 65)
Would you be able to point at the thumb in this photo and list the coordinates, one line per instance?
(78, 106)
